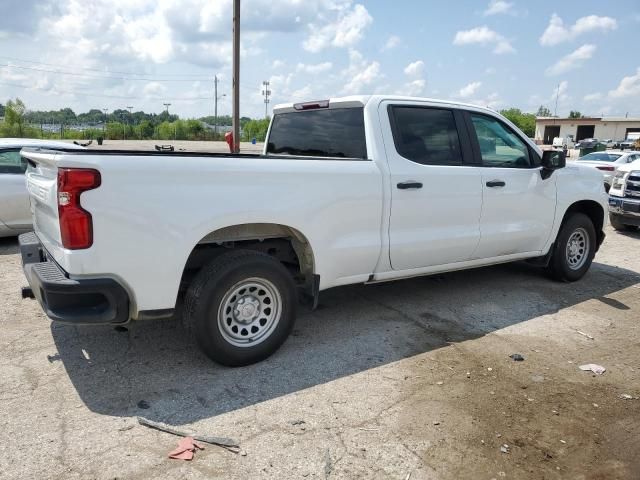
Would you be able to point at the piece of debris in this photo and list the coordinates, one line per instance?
(439, 383)
(185, 449)
(562, 441)
(490, 369)
(584, 334)
(468, 374)
(436, 422)
(85, 354)
(597, 369)
(143, 404)
(125, 428)
(368, 429)
(504, 448)
(516, 357)
(596, 405)
(626, 396)
(555, 412)
(223, 442)
(298, 422)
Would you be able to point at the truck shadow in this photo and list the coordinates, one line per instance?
(154, 369)
(9, 246)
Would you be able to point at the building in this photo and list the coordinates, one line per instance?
(614, 128)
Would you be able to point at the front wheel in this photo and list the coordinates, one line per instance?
(574, 249)
(242, 307)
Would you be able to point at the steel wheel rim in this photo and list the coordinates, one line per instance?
(577, 249)
(249, 312)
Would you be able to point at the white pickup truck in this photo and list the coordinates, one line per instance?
(350, 190)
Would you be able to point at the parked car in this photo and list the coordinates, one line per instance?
(15, 216)
(360, 189)
(608, 163)
(587, 143)
(609, 143)
(629, 142)
(563, 143)
(624, 198)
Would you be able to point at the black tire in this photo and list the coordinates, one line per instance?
(215, 283)
(621, 227)
(560, 267)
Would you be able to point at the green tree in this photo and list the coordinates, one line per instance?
(14, 114)
(543, 112)
(524, 121)
(575, 114)
(255, 129)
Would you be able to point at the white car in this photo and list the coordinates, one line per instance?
(359, 189)
(15, 216)
(608, 162)
(563, 143)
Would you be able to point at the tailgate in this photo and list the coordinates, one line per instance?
(42, 184)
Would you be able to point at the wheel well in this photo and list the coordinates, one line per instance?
(594, 211)
(284, 243)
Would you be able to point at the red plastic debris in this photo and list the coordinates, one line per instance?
(185, 449)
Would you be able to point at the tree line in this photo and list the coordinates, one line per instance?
(122, 124)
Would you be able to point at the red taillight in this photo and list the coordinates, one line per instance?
(606, 169)
(76, 225)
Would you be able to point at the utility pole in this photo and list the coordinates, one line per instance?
(167, 105)
(235, 117)
(104, 124)
(266, 93)
(555, 112)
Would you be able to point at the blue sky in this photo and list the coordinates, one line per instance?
(143, 53)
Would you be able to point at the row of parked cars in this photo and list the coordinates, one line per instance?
(567, 143)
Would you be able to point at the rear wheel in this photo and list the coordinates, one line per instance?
(621, 227)
(574, 249)
(242, 307)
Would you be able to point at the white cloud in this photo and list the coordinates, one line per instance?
(414, 68)
(392, 42)
(556, 32)
(628, 87)
(484, 36)
(314, 69)
(278, 64)
(572, 61)
(497, 7)
(346, 31)
(154, 90)
(360, 73)
(592, 97)
(469, 90)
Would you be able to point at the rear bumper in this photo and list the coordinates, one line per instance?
(95, 301)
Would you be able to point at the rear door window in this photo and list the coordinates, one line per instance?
(335, 132)
(426, 135)
(12, 162)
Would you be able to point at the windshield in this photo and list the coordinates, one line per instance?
(602, 156)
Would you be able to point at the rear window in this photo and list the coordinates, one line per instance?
(602, 157)
(337, 132)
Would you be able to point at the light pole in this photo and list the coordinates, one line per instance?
(215, 106)
(266, 93)
(130, 117)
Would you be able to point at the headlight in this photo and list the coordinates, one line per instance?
(618, 180)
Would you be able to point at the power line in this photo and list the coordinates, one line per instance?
(87, 94)
(108, 77)
(203, 75)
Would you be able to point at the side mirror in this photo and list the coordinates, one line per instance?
(552, 160)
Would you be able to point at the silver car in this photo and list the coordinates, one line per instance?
(608, 162)
(15, 214)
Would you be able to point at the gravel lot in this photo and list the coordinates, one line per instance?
(405, 380)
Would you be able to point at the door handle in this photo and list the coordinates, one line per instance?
(496, 183)
(409, 184)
